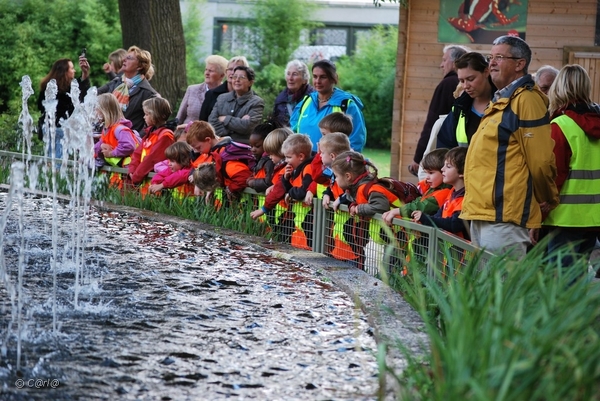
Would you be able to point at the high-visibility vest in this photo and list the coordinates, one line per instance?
(580, 194)
(108, 137)
(461, 131)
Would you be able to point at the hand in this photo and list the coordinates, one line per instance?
(85, 68)
(326, 200)
(336, 205)
(154, 188)
(534, 235)
(308, 199)
(198, 191)
(107, 68)
(287, 199)
(269, 189)
(221, 118)
(288, 171)
(413, 168)
(250, 182)
(353, 210)
(416, 216)
(389, 216)
(191, 180)
(106, 150)
(256, 214)
(246, 117)
(208, 198)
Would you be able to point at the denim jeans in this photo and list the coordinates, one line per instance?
(57, 145)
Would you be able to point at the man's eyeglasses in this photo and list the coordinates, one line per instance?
(499, 58)
(236, 77)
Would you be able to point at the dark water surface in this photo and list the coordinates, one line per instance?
(170, 314)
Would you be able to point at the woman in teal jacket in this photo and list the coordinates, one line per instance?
(325, 100)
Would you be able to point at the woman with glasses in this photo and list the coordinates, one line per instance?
(211, 96)
(132, 88)
(236, 113)
(463, 120)
(296, 78)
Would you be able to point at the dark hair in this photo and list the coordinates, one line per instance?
(474, 60)
(456, 157)
(265, 128)
(179, 152)
(249, 71)
(328, 67)
(434, 160)
(58, 72)
(337, 122)
(205, 177)
(354, 163)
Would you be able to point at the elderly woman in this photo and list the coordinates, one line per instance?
(325, 100)
(296, 78)
(133, 88)
(575, 125)
(211, 96)
(239, 111)
(214, 72)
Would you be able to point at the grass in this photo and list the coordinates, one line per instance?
(381, 159)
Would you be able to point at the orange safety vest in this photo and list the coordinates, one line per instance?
(362, 196)
(299, 238)
(108, 137)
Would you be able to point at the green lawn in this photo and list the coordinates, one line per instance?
(381, 159)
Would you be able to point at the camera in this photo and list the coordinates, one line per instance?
(83, 52)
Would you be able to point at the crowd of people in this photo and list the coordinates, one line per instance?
(512, 157)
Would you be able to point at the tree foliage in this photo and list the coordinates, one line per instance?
(370, 74)
(276, 27)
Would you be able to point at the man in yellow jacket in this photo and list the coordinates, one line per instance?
(510, 166)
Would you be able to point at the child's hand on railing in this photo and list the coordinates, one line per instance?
(336, 204)
(256, 214)
(389, 215)
(416, 216)
(326, 200)
(308, 199)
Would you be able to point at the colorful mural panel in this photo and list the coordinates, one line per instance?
(481, 21)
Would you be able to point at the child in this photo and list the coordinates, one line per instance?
(446, 217)
(176, 176)
(366, 195)
(334, 122)
(262, 174)
(179, 137)
(118, 141)
(232, 174)
(434, 191)
(276, 192)
(206, 179)
(158, 137)
(330, 146)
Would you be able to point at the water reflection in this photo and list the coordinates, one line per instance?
(166, 313)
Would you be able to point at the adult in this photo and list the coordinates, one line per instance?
(544, 77)
(210, 99)
(115, 64)
(575, 131)
(133, 88)
(327, 99)
(296, 79)
(441, 102)
(510, 167)
(214, 72)
(63, 72)
(473, 73)
(239, 111)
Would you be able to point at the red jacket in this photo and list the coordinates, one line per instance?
(151, 151)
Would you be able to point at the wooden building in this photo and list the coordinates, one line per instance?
(559, 32)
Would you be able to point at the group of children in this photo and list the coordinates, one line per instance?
(279, 163)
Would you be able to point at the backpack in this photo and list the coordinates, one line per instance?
(405, 191)
(236, 151)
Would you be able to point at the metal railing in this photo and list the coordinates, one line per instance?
(368, 243)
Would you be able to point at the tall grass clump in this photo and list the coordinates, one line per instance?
(510, 331)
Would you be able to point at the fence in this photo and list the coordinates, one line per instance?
(368, 243)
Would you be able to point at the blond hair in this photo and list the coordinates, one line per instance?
(274, 141)
(297, 144)
(158, 108)
(572, 85)
(335, 142)
(110, 108)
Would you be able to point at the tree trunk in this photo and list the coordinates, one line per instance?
(156, 26)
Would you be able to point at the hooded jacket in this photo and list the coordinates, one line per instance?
(510, 166)
(306, 117)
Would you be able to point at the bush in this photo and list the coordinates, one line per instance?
(509, 332)
(370, 74)
(270, 80)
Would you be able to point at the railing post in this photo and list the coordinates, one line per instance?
(318, 226)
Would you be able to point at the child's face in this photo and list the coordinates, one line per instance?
(148, 119)
(450, 174)
(174, 166)
(324, 131)
(256, 145)
(434, 178)
(294, 159)
(201, 146)
(275, 159)
(343, 180)
(326, 156)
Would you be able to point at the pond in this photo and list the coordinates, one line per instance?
(168, 313)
